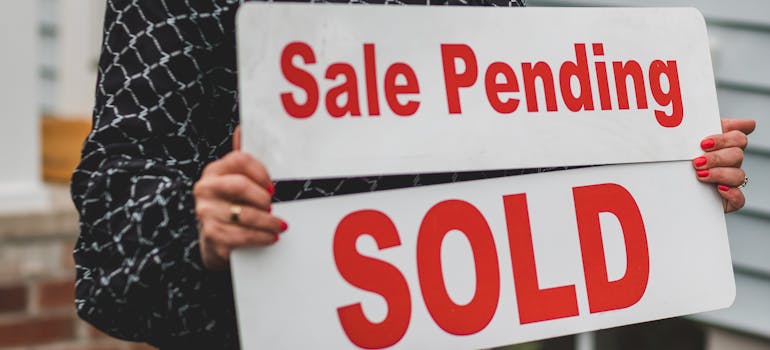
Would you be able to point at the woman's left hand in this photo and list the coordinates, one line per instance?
(721, 162)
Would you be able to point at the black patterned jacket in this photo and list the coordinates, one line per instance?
(165, 107)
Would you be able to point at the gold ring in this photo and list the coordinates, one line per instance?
(235, 213)
(744, 183)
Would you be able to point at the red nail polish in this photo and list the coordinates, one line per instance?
(276, 238)
(723, 188)
(271, 189)
(700, 161)
(707, 144)
(284, 226)
(702, 173)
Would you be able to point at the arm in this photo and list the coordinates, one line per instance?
(164, 107)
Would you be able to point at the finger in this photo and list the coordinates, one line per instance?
(237, 138)
(727, 157)
(230, 237)
(732, 198)
(237, 162)
(745, 126)
(249, 217)
(732, 138)
(235, 188)
(726, 176)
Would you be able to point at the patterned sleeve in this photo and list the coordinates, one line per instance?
(165, 107)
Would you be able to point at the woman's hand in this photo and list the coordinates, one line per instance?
(721, 163)
(232, 203)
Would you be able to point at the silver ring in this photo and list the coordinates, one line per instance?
(235, 213)
(744, 183)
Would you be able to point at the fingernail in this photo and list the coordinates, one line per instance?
(700, 161)
(270, 209)
(723, 188)
(707, 144)
(702, 173)
(276, 238)
(271, 189)
(284, 226)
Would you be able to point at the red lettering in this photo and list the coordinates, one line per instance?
(543, 71)
(453, 80)
(348, 87)
(603, 294)
(511, 84)
(371, 275)
(535, 304)
(370, 66)
(451, 317)
(300, 78)
(674, 96)
(601, 76)
(622, 72)
(392, 90)
(577, 69)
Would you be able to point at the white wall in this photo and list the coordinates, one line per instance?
(78, 39)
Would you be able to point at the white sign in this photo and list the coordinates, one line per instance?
(485, 263)
(396, 89)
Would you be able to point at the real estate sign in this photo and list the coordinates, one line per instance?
(362, 90)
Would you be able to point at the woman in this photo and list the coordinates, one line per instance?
(164, 195)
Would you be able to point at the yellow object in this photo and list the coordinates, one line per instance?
(62, 140)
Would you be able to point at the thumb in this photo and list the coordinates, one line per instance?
(745, 126)
(237, 138)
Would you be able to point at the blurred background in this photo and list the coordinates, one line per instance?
(47, 79)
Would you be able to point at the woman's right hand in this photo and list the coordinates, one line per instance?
(232, 203)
